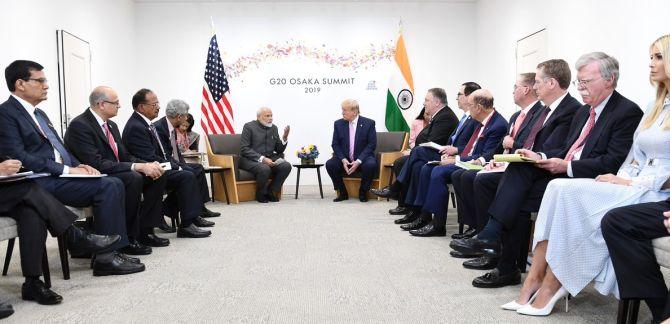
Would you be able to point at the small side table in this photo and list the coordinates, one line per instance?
(308, 166)
(217, 169)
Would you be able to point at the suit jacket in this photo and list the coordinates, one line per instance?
(23, 140)
(463, 135)
(550, 140)
(440, 128)
(489, 140)
(86, 140)
(608, 144)
(163, 131)
(524, 130)
(258, 140)
(140, 142)
(365, 141)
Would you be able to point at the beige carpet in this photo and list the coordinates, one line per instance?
(298, 261)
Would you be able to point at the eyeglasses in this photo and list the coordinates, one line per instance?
(115, 103)
(40, 80)
(583, 83)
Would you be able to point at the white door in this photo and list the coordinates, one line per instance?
(530, 51)
(74, 59)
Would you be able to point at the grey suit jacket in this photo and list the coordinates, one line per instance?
(259, 140)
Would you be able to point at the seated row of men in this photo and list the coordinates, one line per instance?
(123, 178)
(564, 139)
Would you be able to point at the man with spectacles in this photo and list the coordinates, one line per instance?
(142, 140)
(26, 134)
(95, 140)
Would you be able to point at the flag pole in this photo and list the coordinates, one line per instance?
(211, 19)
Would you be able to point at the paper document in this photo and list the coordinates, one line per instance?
(16, 176)
(433, 162)
(469, 166)
(511, 158)
(433, 145)
(83, 175)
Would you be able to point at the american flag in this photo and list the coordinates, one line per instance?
(217, 114)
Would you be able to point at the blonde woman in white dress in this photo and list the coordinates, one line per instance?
(569, 249)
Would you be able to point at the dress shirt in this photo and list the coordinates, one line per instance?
(100, 123)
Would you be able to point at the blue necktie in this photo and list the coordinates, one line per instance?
(53, 138)
(458, 128)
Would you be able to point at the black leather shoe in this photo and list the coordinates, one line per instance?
(262, 199)
(470, 232)
(82, 243)
(37, 291)
(363, 197)
(460, 255)
(341, 197)
(481, 263)
(208, 213)
(163, 226)
(129, 258)
(115, 265)
(493, 279)
(474, 245)
(400, 210)
(429, 230)
(409, 217)
(385, 193)
(136, 248)
(6, 310)
(192, 231)
(201, 222)
(271, 197)
(419, 222)
(153, 240)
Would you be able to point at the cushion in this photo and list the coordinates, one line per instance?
(8, 228)
(390, 141)
(662, 251)
(225, 143)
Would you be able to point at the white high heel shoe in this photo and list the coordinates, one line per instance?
(528, 309)
(513, 305)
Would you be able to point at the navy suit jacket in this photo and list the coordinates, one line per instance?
(489, 140)
(86, 140)
(140, 142)
(463, 135)
(365, 141)
(550, 140)
(22, 139)
(610, 139)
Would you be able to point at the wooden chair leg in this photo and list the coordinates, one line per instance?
(8, 256)
(45, 269)
(64, 262)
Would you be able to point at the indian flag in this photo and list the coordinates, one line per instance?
(400, 95)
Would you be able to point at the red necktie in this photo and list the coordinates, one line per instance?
(539, 122)
(471, 142)
(579, 143)
(111, 140)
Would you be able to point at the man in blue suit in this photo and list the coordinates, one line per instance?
(433, 193)
(354, 144)
(26, 134)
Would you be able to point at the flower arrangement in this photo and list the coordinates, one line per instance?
(307, 154)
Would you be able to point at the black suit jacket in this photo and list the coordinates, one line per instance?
(164, 134)
(140, 142)
(440, 128)
(524, 130)
(86, 140)
(610, 139)
(21, 139)
(550, 140)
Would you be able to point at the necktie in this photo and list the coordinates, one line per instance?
(539, 122)
(352, 139)
(152, 128)
(458, 128)
(579, 143)
(53, 138)
(176, 154)
(110, 139)
(517, 124)
(468, 147)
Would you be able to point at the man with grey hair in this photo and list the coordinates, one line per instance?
(176, 113)
(597, 142)
(262, 153)
(95, 140)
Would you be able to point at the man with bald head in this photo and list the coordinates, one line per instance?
(95, 140)
(262, 153)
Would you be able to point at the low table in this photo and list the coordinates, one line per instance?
(217, 169)
(308, 166)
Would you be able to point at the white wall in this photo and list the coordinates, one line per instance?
(28, 31)
(172, 39)
(623, 29)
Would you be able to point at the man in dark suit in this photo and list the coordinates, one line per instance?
(176, 113)
(443, 122)
(354, 144)
(432, 197)
(628, 232)
(141, 139)
(458, 138)
(262, 153)
(463, 180)
(35, 211)
(95, 140)
(598, 141)
(26, 134)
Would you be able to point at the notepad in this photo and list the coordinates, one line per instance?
(468, 166)
(433, 145)
(15, 176)
(512, 158)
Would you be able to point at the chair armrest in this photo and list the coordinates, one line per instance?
(388, 158)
